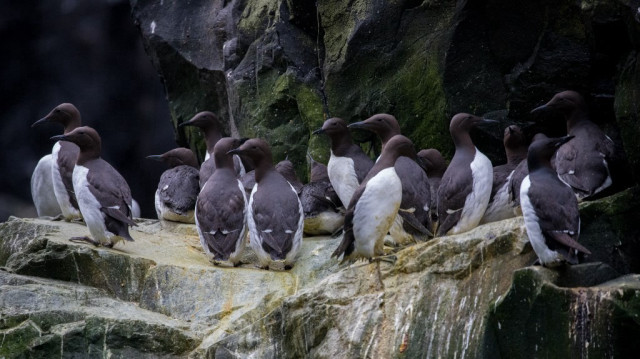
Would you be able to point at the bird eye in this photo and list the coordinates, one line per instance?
(57, 110)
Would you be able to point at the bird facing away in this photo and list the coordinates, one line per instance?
(374, 205)
(435, 165)
(320, 203)
(103, 194)
(465, 188)
(348, 164)
(515, 146)
(210, 125)
(275, 216)
(413, 220)
(583, 162)
(63, 160)
(221, 208)
(549, 207)
(284, 167)
(175, 198)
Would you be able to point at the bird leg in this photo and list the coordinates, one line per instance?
(86, 239)
(389, 258)
(337, 233)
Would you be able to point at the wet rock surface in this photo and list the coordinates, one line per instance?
(470, 295)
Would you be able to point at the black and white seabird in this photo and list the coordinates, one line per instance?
(583, 162)
(413, 221)
(175, 198)
(435, 165)
(221, 209)
(348, 164)
(212, 129)
(500, 206)
(103, 194)
(519, 173)
(275, 214)
(550, 207)
(284, 167)
(465, 188)
(323, 212)
(374, 204)
(44, 199)
(63, 159)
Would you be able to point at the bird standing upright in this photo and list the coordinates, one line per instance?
(275, 216)
(582, 163)
(103, 194)
(63, 159)
(212, 129)
(465, 188)
(348, 164)
(221, 208)
(374, 204)
(413, 221)
(549, 207)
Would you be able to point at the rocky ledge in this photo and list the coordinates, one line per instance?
(469, 295)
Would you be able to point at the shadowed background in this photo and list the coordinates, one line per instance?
(89, 54)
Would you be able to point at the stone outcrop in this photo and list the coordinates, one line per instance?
(469, 295)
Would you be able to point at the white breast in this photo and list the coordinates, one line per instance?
(255, 239)
(546, 255)
(500, 208)
(343, 177)
(89, 206)
(42, 193)
(375, 211)
(297, 237)
(476, 202)
(62, 196)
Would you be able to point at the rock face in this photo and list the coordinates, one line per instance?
(276, 69)
(466, 296)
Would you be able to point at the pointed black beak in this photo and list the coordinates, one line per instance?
(360, 124)
(40, 122)
(539, 109)
(235, 151)
(155, 158)
(59, 138)
(562, 140)
(183, 124)
(484, 122)
(318, 131)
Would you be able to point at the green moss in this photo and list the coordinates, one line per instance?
(420, 82)
(284, 112)
(257, 15)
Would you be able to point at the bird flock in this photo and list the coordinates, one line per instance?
(238, 197)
